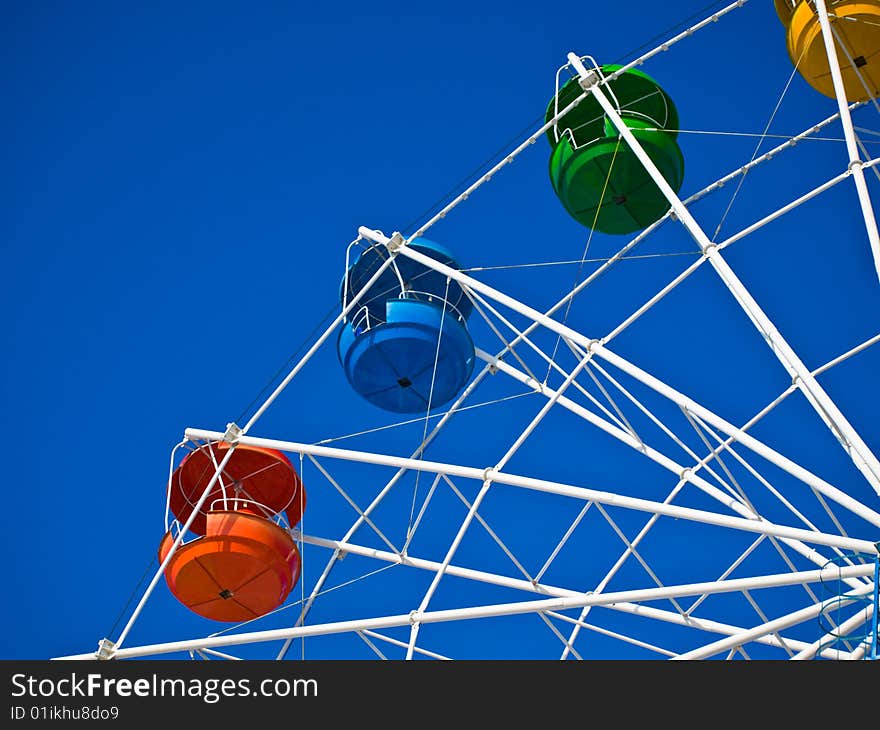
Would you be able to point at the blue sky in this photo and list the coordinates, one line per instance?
(181, 181)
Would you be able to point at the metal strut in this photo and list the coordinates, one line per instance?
(859, 452)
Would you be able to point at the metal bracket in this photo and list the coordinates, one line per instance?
(590, 80)
(106, 649)
(396, 242)
(855, 165)
(233, 433)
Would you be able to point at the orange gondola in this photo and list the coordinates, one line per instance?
(243, 567)
(243, 562)
(264, 476)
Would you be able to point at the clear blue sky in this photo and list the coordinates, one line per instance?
(180, 183)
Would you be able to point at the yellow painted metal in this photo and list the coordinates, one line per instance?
(856, 27)
(784, 9)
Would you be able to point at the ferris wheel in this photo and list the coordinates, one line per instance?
(521, 487)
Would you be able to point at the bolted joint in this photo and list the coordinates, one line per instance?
(106, 649)
(855, 165)
(396, 242)
(589, 81)
(413, 618)
(233, 433)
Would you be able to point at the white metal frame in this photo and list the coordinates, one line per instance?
(709, 473)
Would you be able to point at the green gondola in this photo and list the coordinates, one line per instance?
(595, 174)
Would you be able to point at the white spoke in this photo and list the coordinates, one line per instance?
(783, 622)
(507, 609)
(541, 485)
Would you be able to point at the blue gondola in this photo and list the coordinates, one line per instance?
(412, 274)
(406, 348)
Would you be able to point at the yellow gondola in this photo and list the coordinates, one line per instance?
(856, 28)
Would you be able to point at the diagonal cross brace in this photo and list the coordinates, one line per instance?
(858, 450)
